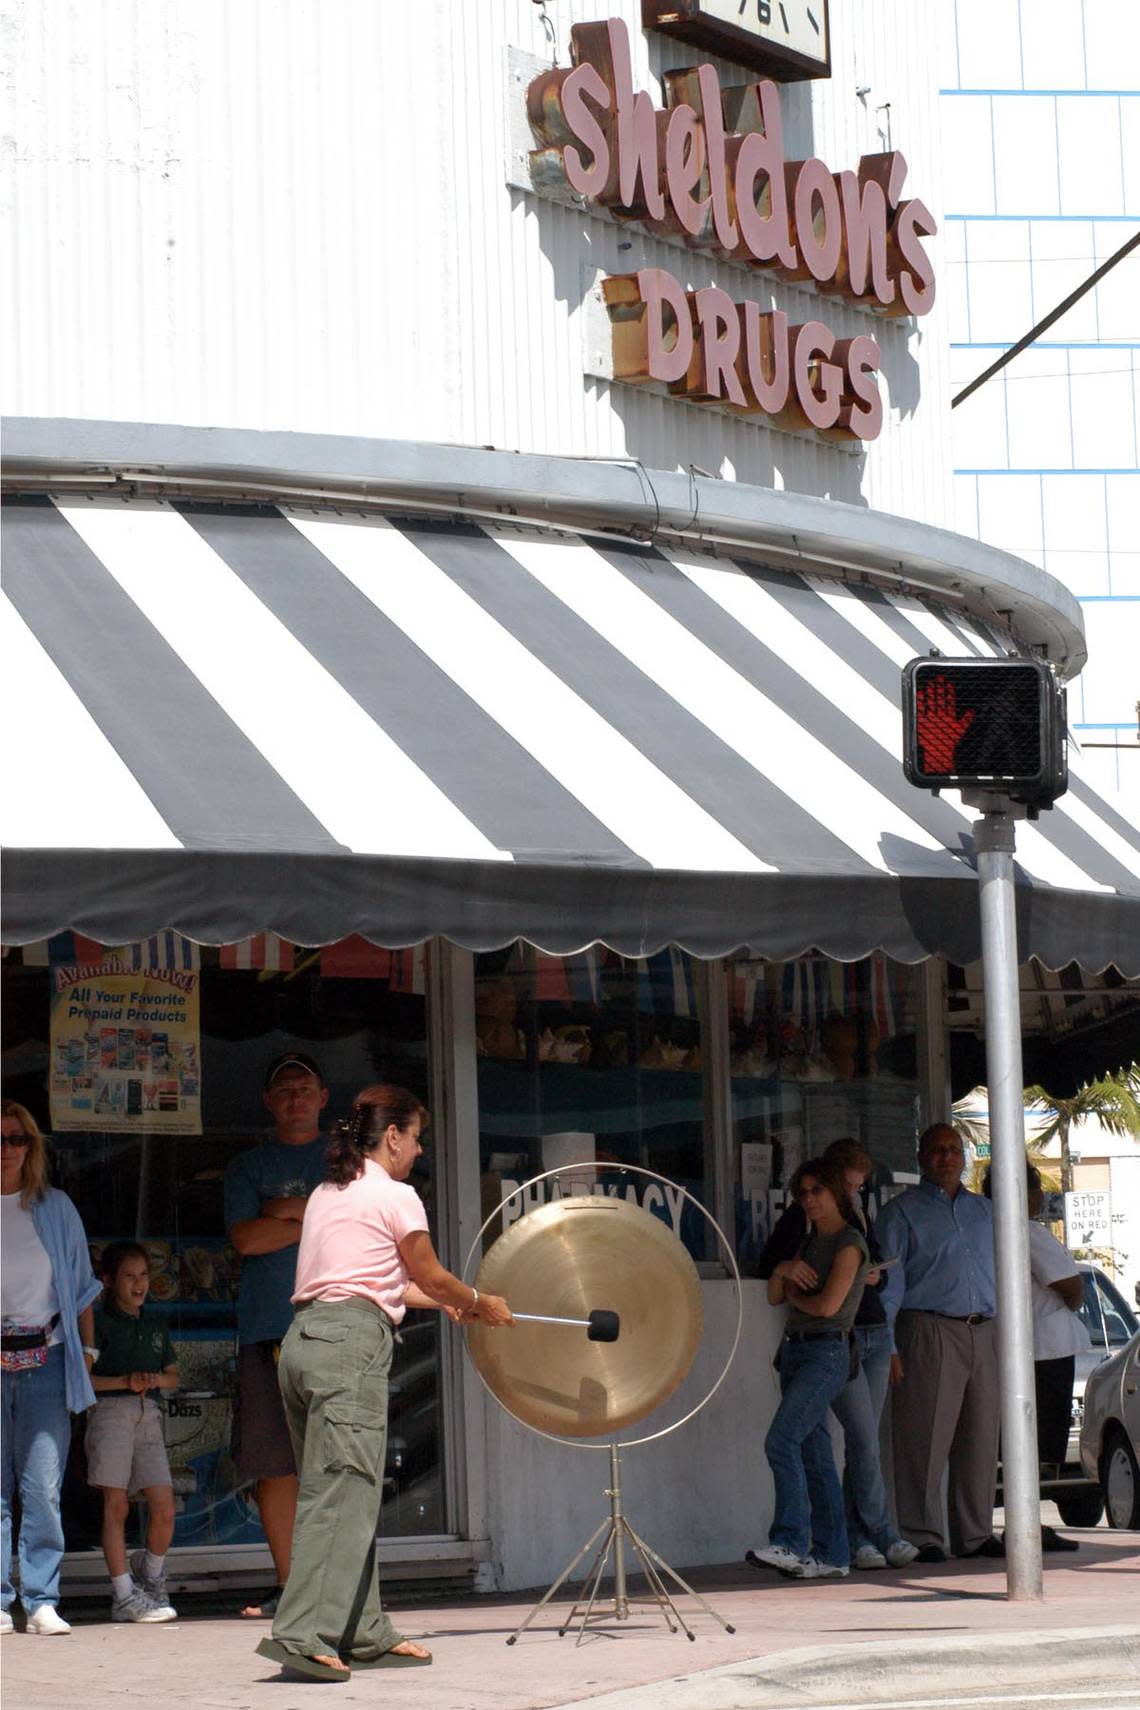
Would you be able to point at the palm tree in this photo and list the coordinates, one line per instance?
(1114, 1102)
(976, 1130)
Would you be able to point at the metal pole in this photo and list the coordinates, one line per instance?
(994, 841)
(617, 1517)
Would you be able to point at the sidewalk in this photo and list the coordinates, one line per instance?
(891, 1627)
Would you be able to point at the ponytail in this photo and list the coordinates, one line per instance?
(344, 1159)
(358, 1135)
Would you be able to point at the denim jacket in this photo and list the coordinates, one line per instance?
(60, 1228)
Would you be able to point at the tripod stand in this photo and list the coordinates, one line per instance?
(612, 1536)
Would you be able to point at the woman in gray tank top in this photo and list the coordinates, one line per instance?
(822, 1288)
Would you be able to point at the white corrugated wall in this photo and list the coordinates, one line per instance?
(294, 214)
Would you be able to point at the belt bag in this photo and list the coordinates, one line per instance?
(25, 1346)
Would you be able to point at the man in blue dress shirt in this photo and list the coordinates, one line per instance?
(940, 1302)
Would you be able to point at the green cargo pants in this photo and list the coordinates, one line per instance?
(334, 1383)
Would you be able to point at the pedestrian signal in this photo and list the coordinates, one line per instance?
(995, 724)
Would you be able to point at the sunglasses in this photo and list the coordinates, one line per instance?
(13, 1140)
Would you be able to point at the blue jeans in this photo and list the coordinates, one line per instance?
(859, 1408)
(36, 1437)
(809, 1498)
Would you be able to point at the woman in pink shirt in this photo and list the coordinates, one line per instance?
(365, 1255)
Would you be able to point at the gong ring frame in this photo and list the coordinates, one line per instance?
(577, 1170)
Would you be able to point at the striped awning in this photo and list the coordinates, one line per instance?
(237, 719)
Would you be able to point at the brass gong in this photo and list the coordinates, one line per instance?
(568, 1259)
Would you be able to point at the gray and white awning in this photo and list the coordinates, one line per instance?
(236, 719)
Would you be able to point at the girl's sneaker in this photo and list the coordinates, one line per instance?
(868, 1557)
(810, 1568)
(776, 1556)
(46, 1621)
(7, 1625)
(138, 1607)
(901, 1554)
(153, 1589)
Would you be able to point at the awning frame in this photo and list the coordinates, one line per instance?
(790, 530)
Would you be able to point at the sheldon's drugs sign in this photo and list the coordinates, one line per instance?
(125, 1051)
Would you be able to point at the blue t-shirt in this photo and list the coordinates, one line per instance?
(270, 1171)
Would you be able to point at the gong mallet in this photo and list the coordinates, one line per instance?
(600, 1326)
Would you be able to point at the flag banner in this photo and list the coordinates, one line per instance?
(584, 971)
(66, 949)
(684, 987)
(355, 959)
(551, 983)
(263, 952)
(409, 970)
(882, 998)
(163, 950)
(125, 1051)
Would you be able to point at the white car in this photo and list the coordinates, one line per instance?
(1110, 1322)
(1110, 1433)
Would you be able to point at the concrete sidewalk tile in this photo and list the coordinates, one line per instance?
(834, 1674)
(878, 1622)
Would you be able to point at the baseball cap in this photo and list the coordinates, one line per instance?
(292, 1060)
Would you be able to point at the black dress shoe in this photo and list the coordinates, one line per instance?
(932, 1553)
(991, 1547)
(1051, 1540)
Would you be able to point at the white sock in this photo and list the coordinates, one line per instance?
(121, 1585)
(153, 1566)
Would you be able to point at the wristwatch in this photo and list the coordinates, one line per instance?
(92, 1353)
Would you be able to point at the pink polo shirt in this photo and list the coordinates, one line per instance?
(350, 1241)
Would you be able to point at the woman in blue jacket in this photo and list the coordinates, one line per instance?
(47, 1334)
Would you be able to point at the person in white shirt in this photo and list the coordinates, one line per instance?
(47, 1349)
(1056, 1291)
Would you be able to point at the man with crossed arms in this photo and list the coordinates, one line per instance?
(940, 1301)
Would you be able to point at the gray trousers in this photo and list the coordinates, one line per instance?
(945, 1414)
(334, 1384)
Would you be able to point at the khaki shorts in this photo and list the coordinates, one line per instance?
(125, 1450)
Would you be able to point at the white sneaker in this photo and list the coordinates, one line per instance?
(138, 1607)
(7, 1625)
(809, 1568)
(868, 1557)
(153, 1589)
(46, 1621)
(776, 1556)
(901, 1554)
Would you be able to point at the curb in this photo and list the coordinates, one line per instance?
(843, 1676)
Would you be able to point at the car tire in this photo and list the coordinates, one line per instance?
(1120, 1481)
(1080, 1507)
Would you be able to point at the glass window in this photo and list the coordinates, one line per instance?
(1106, 1315)
(361, 1012)
(820, 1051)
(594, 1058)
(1119, 1319)
(1090, 1312)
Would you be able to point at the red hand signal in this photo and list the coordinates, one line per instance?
(937, 725)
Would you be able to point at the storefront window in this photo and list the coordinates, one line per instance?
(361, 1012)
(594, 1058)
(820, 1051)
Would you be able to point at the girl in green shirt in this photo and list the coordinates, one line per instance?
(126, 1453)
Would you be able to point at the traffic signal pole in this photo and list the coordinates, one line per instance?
(995, 730)
(994, 843)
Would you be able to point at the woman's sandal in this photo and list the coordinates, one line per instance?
(390, 1659)
(295, 1662)
(266, 1607)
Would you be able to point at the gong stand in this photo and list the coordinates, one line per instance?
(609, 1318)
(611, 1537)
